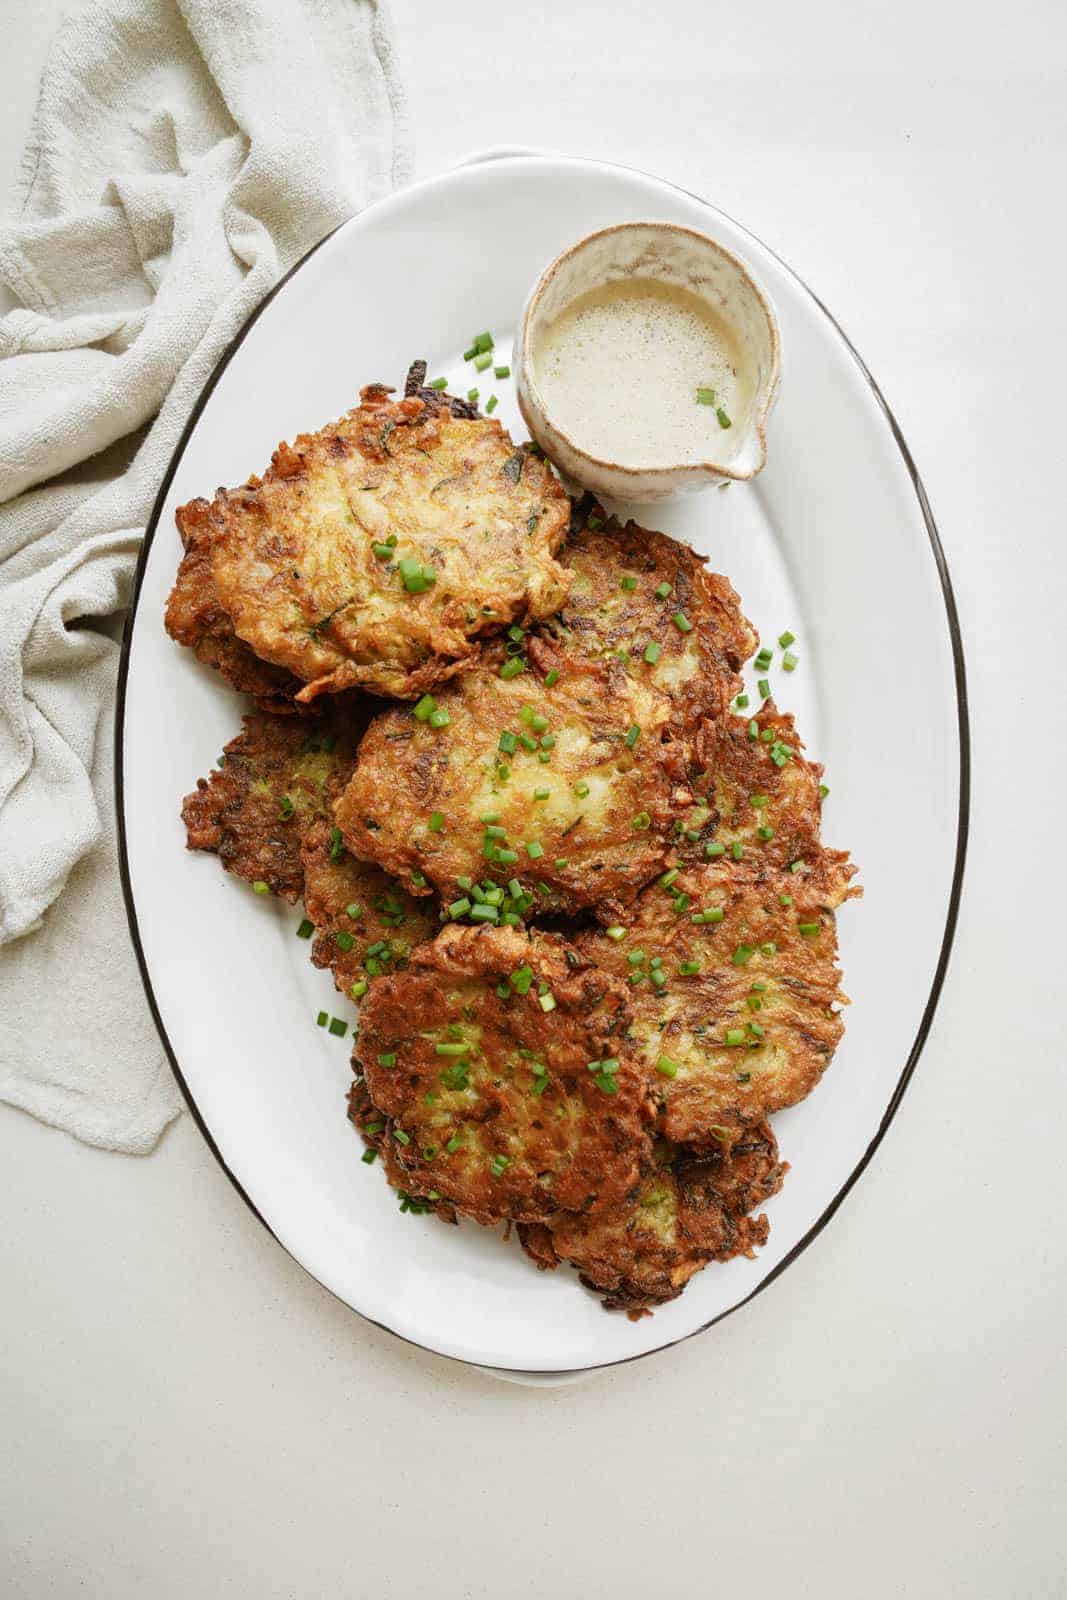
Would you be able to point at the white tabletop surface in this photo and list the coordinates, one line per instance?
(185, 1413)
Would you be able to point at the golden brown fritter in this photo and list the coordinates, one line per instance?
(480, 1055)
(278, 776)
(195, 618)
(755, 788)
(365, 924)
(473, 799)
(687, 1212)
(375, 552)
(653, 598)
(735, 1016)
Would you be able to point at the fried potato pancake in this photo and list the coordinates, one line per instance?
(473, 799)
(365, 924)
(278, 776)
(375, 552)
(689, 1211)
(480, 1055)
(195, 618)
(737, 1016)
(654, 598)
(756, 791)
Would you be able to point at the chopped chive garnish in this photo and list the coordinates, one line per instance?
(741, 702)
(259, 887)
(482, 361)
(711, 914)
(501, 372)
(512, 668)
(344, 941)
(453, 1144)
(387, 1059)
(416, 577)
(686, 969)
(786, 639)
(499, 1165)
(490, 405)
(521, 979)
(724, 421)
(737, 850)
(359, 988)
(633, 733)
(424, 707)
(652, 652)
(764, 689)
(419, 881)
(459, 908)
(322, 1019)
(338, 1027)
(765, 833)
(482, 342)
(562, 863)
(384, 552)
(635, 957)
(753, 730)
(629, 583)
(472, 394)
(734, 1036)
(666, 1067)
(305, 930)
(451, 1049)
(764, 659)
(551, 678)
(808, 927)
(484, 913)
(824, 790)
(668, 877)
(616, 933)
(506, 857)
(436, 822)
(286, 807)
(440, 717)
(705, 397)
(548, 741)
(400, 1136)
(768, 948)
(354, 911)
(594, 523)
(534, 850)
(682, 622)
(642, 821)
(789, 661)
(541, 794)
(713, 849)
(743, 953)
(368, 1156)
(493, 830)
(581, 788)
(662, 590)
(438, 383)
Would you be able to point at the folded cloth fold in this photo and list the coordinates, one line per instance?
(183, 155)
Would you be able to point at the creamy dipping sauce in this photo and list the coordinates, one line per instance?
(620, 368)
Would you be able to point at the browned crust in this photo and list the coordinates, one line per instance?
(687, 1213)
(238, 812)
(571, 1146)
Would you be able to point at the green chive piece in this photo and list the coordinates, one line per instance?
(459, 908)
(472, 394)
(724, 421)
(682, 622)
(484, 913)
(753, 730)
(789, 661)
(705, 397)
(481, 362)
(653, 652)
(424, 707)
(400, 1136)
(501, 372)
(737, 850)
(436, 822)
(741, 702)
(438, 383)
(687, 969)
(451, 1049)
(359, 988)
(338, 1027)
(322, 1019)
(824, 790)
(541, 794)
(368, 1156)
(387, 1059)
(286, 807)
(534, 850)
(668, 877)
(713, 849)
(344, 941)
(482, 342)
(629, 583)
(512, 667)
(742, 954)
(764, 659)
(764, 688)
(808, 928)
(490, 405)
(305, 930)
(616, 933)
(662, 590)
(581, 788)
(765, 833)
(633, 733)
(734, 1036)
(440, 718)
(786, 639)
(666, 1067)
(642, 821)
(384, 552)
(499, 1165)
(259, 887)
(551, 678)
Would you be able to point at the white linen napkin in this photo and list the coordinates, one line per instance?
(183, 154)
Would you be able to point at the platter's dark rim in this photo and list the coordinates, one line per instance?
(962, 823)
